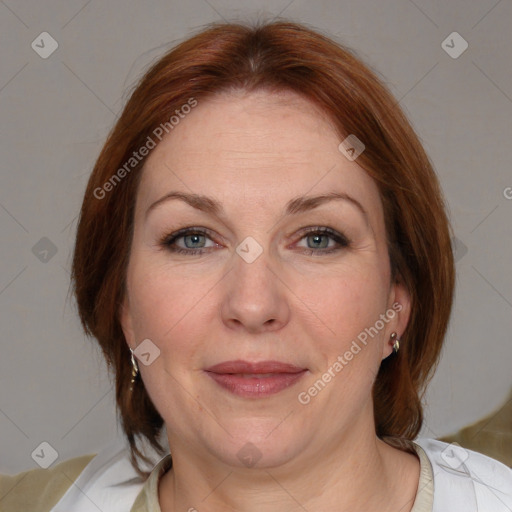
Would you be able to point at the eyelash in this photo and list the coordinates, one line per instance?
(169, 241)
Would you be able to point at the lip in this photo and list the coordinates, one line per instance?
(257, 380)
(241, 366)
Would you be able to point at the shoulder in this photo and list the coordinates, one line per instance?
(38, 490)
(109, 481)
(106, 479)
(491, 435)
(467, 480)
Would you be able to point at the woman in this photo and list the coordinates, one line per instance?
(264, 256)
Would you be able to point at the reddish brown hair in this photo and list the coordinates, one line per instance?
(275, 56)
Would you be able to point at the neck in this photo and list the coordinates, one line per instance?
(358, 473)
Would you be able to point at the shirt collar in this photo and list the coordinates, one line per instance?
(147, 499)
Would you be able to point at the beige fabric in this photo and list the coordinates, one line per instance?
(491, 435)
(38, 490)
(147, 500)
(424, 501)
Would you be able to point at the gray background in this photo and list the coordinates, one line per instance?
(56, 113)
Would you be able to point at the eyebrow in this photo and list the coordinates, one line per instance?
(295, 206)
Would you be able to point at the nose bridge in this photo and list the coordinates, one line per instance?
(252, 267)
(253, 294)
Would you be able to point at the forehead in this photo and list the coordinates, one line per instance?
(263, 147)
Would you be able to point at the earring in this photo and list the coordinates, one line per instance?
(135, 370)
(395, 341)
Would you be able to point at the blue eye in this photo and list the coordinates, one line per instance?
(195, 239)
(320, 238)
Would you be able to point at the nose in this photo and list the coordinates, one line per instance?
(254, 297)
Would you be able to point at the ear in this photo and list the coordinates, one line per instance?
(399, 302)
(126, 320)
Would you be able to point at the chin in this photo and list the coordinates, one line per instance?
(259, 446)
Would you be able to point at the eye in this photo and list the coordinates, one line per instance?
(318, 239)
(193, 241)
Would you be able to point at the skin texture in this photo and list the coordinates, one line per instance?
(253, 152)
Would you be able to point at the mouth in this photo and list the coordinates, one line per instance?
(255, 380)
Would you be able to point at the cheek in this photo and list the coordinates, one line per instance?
(343, 306)
(166, 307)
(346, 351)
(158, 297)
(344, 302)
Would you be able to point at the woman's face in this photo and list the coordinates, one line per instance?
(254, 280)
